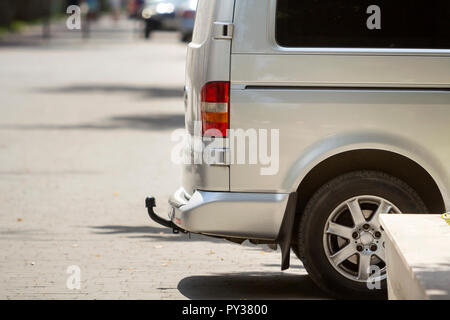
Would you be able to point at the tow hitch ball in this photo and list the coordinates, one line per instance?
(150, 203)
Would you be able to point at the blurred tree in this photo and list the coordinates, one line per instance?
(7, 11)
(28, 10)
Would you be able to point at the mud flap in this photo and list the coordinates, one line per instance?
(286, 229)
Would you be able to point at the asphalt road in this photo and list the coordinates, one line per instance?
(84, 136)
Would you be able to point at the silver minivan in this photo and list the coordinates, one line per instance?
(312, 118)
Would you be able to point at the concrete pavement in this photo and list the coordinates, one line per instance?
(84, 136)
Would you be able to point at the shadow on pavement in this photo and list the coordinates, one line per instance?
(152, 233)
(144, 92)
(250, 285)
(152, 122)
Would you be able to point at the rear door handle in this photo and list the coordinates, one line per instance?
(223, 30)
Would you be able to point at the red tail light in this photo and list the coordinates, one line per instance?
(215, 104)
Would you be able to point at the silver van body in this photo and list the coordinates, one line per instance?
(324, 101)
(337, 110)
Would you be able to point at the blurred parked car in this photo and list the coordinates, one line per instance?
(160, 15)
(186, 18)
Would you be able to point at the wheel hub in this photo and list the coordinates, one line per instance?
(366, 238)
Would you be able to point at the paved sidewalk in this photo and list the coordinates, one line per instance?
(84, 136)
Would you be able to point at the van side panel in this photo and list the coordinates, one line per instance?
(326, 101)
(306, 69)
(208, 60)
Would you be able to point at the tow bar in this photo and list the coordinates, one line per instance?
(150, 203)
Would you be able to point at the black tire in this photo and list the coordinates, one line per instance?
(310, 246)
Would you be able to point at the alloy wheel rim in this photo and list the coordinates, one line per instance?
(354, 240)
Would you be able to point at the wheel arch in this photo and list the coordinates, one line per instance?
(396, 155)
(392, 163)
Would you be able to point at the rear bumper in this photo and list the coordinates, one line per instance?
(229, 214)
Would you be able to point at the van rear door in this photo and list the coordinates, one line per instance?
(208, 60)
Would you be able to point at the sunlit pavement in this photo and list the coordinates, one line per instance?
(85, 128)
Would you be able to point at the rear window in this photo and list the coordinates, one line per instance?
(363, 24)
